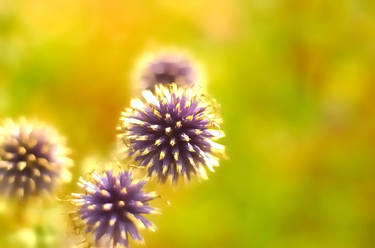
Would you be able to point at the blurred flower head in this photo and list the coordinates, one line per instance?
(172, 131)
(112, 207)
(166, 68)
(33, 158)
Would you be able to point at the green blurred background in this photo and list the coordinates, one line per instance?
(296, 81)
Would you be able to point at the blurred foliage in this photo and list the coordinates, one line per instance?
(296, 82)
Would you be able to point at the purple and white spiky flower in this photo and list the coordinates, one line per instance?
(167, 68)
(172, 131)
(33, 158)
(112, 208)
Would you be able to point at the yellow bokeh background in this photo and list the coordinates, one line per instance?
(296, 84)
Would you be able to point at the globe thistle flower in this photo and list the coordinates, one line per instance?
(33, 159)
(167, 68)
(112, 208)
(172, 131)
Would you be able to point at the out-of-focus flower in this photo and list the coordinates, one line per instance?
(167, 68)
(33, 158)
(172, 132)
(112, 207)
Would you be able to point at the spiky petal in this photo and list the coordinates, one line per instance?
(172, 131)
(112, 206)
(33, 158)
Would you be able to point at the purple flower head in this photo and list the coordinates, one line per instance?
(167, 68)
(113, 207)
(172, 131)
(33, 158)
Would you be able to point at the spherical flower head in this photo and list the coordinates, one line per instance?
(167, 68)
(33, 159)
(112, 208)
(172, 131)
